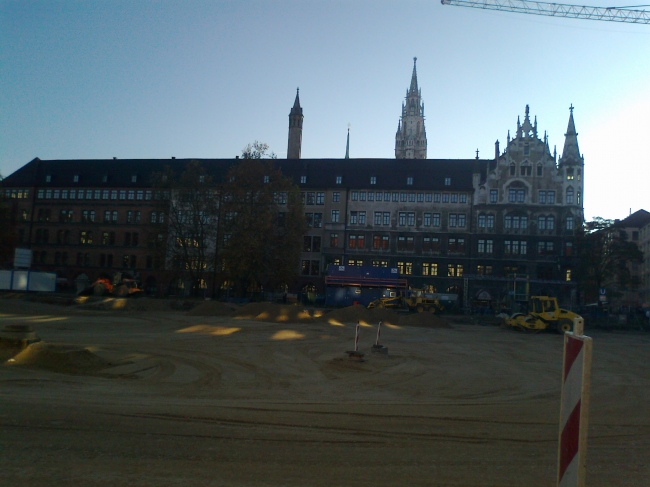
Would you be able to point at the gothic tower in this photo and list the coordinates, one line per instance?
(571, 165)
(295, 129)
(411, 137)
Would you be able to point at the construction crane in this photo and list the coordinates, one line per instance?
(611, 14)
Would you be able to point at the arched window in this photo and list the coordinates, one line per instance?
(513, 169)
(569, 196)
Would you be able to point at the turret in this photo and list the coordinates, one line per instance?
(295, 129)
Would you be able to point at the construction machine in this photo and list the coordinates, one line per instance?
(414, 300)
(118, 286)
(543, 314)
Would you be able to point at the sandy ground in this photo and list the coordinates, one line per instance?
(176, 400)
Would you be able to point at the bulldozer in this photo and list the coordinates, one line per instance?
(543, 314)
(413, 300)
(119, 286)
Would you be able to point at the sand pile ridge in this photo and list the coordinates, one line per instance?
(274, 313)
(361, 314)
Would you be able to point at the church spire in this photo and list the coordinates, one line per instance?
(414, 78)
(347, 145)
(571, 151)
(295, 129)
(411, 136)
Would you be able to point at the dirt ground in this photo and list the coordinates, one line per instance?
(165, 398)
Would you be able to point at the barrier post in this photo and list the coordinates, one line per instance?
(574, 408)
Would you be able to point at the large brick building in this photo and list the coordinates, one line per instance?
(462, 225)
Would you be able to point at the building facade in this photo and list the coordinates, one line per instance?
(491, 230)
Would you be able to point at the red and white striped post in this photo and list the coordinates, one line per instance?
(574, 410)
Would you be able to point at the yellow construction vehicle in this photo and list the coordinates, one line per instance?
(543, 313)
(413, 300)
(391, 302)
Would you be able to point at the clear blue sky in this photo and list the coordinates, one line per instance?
(135, 79)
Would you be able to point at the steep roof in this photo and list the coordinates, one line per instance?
(390, 174)
(637, 219)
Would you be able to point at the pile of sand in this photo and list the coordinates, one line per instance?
(59, 358)
(354, 314)
(110, 303)
(274, 313)
(213, 308)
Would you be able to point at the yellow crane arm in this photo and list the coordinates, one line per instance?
(611, 14)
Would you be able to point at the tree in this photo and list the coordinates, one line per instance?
(257, 150)
(604, 254)
(262, 223)
(188, 208)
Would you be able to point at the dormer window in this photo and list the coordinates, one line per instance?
(48, 178)
(447, 181)
(202, 178)
(134, 178)
(303, 179)
(105, 178)
(373, 179)
(409, 181)
(266, 179)
(75, 178)
(339, 179)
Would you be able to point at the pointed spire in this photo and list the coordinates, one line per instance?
(497, 153)
(414, 78)
(347, 145)
(296, 104)
(508, 136)
(535, 127)
(571, 151)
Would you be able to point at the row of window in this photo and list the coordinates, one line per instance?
(452, 270)
(89, 216)
(42, 236)
(404, 197)
(76, 178)
(86, 259)
(432, 244)
(373, 180)
(16, 193)
(99, 194)
(544, 222)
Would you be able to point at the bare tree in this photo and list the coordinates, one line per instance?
(188, 207)
(262, 223)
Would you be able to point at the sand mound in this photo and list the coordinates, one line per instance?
(427, 320)
(213, 308)
(274, 313)
(365, 316)
(352, 314)
(110, 303)
(60, 358)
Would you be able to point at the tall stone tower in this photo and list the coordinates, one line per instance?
(571, 166)
(295, 129)
(411, 137)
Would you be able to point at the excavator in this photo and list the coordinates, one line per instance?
(119, 286)
(414, 300)
(543, 314)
